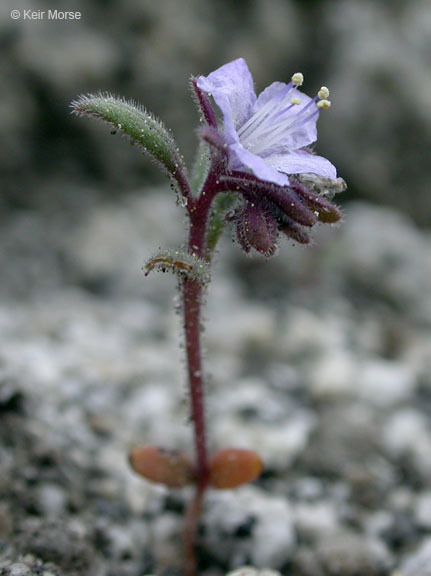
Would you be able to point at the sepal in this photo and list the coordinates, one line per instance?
(256, 228)
(216, 141)
(327, 212)
(295, 232)
(203, 103)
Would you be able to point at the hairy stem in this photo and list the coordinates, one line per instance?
(192, 295)
(192, 305)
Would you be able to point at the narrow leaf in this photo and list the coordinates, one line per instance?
(140, 126)
(221, 205)
(201, 168)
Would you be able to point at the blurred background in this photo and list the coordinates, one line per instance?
(328, 347)
(374, 55)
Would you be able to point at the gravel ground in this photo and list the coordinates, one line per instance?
(318, 359)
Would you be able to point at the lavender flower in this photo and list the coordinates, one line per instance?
(264, 154)
(267, 135)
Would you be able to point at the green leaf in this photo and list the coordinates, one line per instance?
(140, 126)
(222, 203)
(201, 167)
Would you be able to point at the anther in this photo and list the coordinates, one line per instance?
(295, 100)
(297, 79)
(323, 104)
(323, 93)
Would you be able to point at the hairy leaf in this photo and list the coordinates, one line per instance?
(139, 125)
(183, 264)
(200, 168)
(217, 220)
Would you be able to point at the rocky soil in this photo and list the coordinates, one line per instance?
(318, 359)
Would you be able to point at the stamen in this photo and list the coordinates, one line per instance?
(323, 93)
(259, 117)
(324, 104)
(274, 135)
(297, 79)
(298, 124)
(266, 131)
(270, 109)
(258, 133)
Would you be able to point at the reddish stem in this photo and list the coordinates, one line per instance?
(192, 293)
(192, 304)
(190, 531)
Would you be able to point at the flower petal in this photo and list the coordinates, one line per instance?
(240, 158)
(272, 91)
(300, 162)
(277, 124)
(231, 86)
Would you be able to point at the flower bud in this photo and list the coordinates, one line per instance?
(256, 228)
(292, 205)
(328, 213)
(295, 232)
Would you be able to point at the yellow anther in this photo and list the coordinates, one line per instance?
(295, 100)
(323, 93)
(324, 104)
(297, 79)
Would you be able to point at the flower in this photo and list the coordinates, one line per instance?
(267, 135)
(262, 153)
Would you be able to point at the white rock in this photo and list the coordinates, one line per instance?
(52, 499)
(166, 538)
(250, 571)
(385, 383)
(350, 554)
(315, 520)
(423, 511)
(418, 562)
(333, 375)
(407, 434)
(244, 326)
(305, 334)
(267, 519)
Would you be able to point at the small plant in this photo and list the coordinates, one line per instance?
(254, 170)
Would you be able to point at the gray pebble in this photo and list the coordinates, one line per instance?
(423, 511)
(349, 555)
(418, 562)
(18, 569)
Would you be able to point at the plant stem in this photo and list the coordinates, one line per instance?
(190, 531)
(192, 305)
(192, 294)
